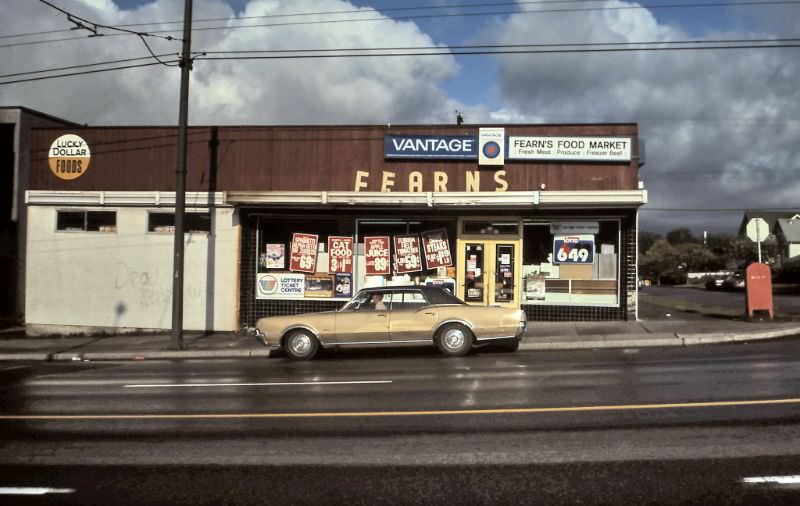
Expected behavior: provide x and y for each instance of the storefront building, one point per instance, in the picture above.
(284, 220)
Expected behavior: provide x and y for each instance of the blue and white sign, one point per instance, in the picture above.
(573, 249)
(430, 146)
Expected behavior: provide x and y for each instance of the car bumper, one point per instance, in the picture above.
(262, 338)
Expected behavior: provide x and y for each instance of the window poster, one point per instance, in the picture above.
(573, 249)
(303, 257)
(376, 253)
(343, 285)
(407, 254)
(275, 256)
(280, 285)
(319, 285)
(437, 249)
(340, 254)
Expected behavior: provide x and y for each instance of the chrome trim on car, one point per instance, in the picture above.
(348, 343)
(262, 338)
(493, 338)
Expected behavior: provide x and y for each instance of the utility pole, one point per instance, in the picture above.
(180, 181)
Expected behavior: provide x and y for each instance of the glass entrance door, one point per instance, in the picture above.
(488, 272)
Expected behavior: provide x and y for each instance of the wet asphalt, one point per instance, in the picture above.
(643, 426)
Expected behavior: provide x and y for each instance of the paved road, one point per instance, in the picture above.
(620, 426)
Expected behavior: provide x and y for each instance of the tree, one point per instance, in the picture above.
(698, 258)
(680, 236)
(662, 262)
(646, 240)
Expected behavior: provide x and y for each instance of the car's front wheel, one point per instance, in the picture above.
(454, 340)
(301, 345)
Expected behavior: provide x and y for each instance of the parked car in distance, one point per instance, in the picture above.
(735, 281)
(395, 316)
(732, 282)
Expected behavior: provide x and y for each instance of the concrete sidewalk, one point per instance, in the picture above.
(540, 336)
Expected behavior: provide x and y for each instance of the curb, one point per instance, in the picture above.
(727, 337)
(613, 343)
(679, 339)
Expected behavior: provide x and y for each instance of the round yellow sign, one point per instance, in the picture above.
(69, 157)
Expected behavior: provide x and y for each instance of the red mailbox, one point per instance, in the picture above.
(759, 289)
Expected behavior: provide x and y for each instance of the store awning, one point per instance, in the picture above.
(516, 199)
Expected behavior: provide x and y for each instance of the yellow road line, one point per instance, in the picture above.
(352, 414)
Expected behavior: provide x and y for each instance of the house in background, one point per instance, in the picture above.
(787, 231)
(783, 225)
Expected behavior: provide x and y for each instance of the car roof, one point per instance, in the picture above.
(402, 288)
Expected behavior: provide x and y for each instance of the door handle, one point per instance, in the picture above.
(381, 315)
(429, 313)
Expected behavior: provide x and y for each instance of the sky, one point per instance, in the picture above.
(721, 127)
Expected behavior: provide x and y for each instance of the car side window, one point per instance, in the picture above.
(408, 300)
(391, 300)
(414, 300)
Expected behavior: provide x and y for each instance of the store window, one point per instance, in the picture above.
(419, 252)
(304, 258)
(571, 262)
(165, 222)
(333, 258)
(86, 221)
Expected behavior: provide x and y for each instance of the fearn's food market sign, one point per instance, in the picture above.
(466, 147)
(588, 149)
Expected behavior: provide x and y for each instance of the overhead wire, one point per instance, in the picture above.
(411, 17)
(85, 72)
(81, 23)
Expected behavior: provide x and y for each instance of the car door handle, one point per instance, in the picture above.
(429, 313)
(381, 315)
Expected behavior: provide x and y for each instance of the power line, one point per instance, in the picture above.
(320, 13)
(447, 52)
(412, 17)
(491, 46)
(84, 24)
(72, 67)
(323, 53)
(495, 13)
(85, 72)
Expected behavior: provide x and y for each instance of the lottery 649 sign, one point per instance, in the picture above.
(573, 249)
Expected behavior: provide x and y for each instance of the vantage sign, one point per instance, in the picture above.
(431, 147)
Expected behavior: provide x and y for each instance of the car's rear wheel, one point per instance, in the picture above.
(301, 345)
(454, 340)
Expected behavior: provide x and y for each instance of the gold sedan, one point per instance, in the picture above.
(400, 315)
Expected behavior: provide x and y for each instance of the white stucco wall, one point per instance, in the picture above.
(794, 249)
(123, 279)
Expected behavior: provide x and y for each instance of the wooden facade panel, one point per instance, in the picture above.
(314, 158)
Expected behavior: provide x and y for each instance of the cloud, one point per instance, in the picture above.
(721, 126)
(342, 90)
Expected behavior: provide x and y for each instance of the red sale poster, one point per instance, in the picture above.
(376, 252)
(340, 254)
(437, 249)
(303, 257)
(406, 254)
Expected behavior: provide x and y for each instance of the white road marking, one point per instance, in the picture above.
(273, 384)
(779, 480)
(34, 490)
